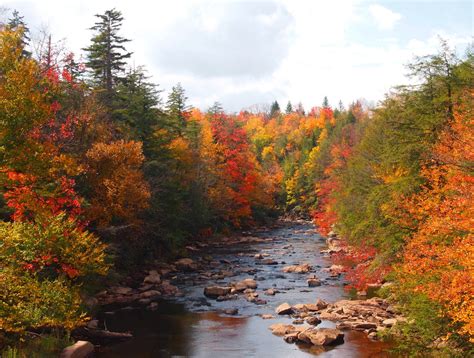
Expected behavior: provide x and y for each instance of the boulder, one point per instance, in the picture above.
(267, 316)
(152, 294)
(389, 322)
(152, 278)
(291, 337)
(216, 291)
(314, 321)
(281, 329)
(303, 268)
(284, 308)
(186, 265)
(120, 290)
(80, 349)
(320, 304)
(361, 326)
(321, 336)
(168, 289)
(248, 283)
(313, 282)
(270, 292)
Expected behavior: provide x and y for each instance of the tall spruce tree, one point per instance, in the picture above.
(16, 23)
(107, 55)
(325, 102)
(289, 108)
(177, 109)
(275, 109)
(136, 105)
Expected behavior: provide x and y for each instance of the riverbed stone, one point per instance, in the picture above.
(186, 264)
(280, 329)
(313, 282)
(313, 320)
(270, 292)
(80, 349)
(322, 336)
(151, 294)
(284, 308)
(216, 291)
(303, 268)
(153, 278)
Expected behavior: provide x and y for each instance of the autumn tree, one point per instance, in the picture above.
(119, 192)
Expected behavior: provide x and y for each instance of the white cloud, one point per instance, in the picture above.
(383, 17)
(247, 52)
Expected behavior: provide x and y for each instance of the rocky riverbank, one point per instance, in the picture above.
(276, 275)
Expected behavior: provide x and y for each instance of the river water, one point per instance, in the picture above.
(191, 325)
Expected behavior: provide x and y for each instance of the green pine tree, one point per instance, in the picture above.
(289, 108)
(136, 105)
(16, 23)
(107, 55)
(177, 109)
(275, 109)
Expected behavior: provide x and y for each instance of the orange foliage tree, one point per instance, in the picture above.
(439, 257)
(119, 191)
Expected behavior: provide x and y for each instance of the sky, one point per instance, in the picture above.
(246, 53)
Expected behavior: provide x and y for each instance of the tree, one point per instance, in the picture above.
(275, 109)
(177, 109)
(216, 108)
(289, 108)
(119, 191)
(325, 102)
(106, 56)
(136, 105)
(16, 23)
(300, 109)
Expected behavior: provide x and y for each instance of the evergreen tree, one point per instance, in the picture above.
(300, 109)
(289, 108)
(275, 109)
(341, 106)
(325, 102)
(106, 56)
(16, 23)
(136, 104)
(177, 109)
(216, 108)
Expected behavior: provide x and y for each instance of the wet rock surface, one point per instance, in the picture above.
(241, 279)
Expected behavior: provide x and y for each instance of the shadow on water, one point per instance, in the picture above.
(191, 327)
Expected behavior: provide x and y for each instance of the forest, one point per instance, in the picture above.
(99, 174)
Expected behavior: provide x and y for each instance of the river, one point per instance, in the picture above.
(192, 325)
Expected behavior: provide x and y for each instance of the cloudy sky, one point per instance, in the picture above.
(242, 53)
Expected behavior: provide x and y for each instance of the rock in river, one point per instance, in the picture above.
(284, 308)
(216, 291)
(322, 336)
(304, 268)
(153, 278)
(80, 349)
(186, 265)
(245, 284)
